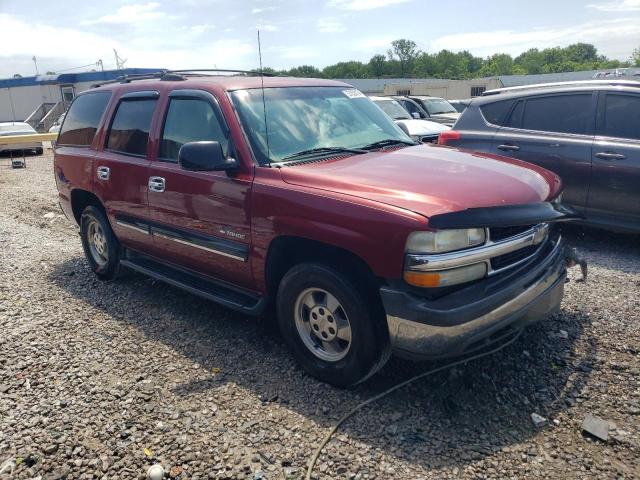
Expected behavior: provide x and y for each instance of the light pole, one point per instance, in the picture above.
(36, 64)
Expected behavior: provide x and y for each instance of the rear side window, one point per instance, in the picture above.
(82, 120)
(189, 120)
(621, 116)
(129, 131)
(558, 113)
(496, 112)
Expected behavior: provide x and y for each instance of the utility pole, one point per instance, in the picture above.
(36, 64)
(119, 60)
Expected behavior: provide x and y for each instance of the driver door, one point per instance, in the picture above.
(200, 219)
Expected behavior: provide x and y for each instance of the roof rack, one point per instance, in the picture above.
(624, 83)
(179, 75)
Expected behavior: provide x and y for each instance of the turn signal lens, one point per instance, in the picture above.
(446, 278)
(447, 137)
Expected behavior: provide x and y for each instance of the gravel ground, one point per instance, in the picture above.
(102, 380)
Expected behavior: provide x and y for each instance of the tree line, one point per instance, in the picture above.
(404, 59)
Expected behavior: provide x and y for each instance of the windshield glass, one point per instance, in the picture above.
(305, 118)
(393, 109)
(436, 106)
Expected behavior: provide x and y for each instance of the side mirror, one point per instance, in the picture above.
(204, 157)
(416, 115)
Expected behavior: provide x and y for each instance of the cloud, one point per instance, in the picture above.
(620, 6)
(267, 27)
(374, 43)
(79, 47)
(199, 29)
(363, 4)
(328, 25)
(127, 14)
(263, 9)
(611, 37)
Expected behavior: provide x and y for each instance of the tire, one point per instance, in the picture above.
(39, 151)
(320, 343)
(101, 247)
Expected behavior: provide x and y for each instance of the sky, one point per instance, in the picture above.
(66, 34)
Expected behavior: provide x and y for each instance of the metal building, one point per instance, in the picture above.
(40, 100)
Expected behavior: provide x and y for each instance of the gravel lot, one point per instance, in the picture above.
(102, 380)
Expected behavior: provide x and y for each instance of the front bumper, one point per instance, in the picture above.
(473, 317)
(14, 147)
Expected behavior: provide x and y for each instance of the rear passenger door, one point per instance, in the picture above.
(615, 184)
(121, 168)
(555, 132)
(200, 219)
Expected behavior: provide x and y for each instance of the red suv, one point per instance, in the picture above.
(302, 196)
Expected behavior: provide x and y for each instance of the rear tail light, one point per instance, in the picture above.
(448, 136)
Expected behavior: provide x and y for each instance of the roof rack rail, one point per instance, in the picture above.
(196, 71)
(619, 82)
(179, 75)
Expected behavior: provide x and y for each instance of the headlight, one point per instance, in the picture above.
(445, 240)
(445, 278)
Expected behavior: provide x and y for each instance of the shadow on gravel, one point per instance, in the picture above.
(449, 419)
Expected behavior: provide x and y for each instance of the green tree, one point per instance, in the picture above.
(531, 61)
(350, 69)
(635, 57)
(497, 64)
(377, 65)
(581, 53)
(406, 52)
(304, 71)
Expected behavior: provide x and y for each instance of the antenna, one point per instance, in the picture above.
(264, 103)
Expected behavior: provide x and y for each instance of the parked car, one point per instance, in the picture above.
(411, 106)
(438, 109)
(587, 132)
(304, 197)
(421, 131)
(8, 129)
(460, 105)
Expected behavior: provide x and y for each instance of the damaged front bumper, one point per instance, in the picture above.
(471, 318)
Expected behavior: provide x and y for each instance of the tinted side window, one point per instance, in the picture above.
(496, 112)
(130, 126)
(82, 119)
(621, 116)
(189, 120)
(515, 119)
(558, 113)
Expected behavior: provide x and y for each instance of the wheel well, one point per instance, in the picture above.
(81, 199)
(286, 252)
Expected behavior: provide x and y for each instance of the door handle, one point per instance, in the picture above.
(507, 147)
(103, 173)
(156, 184)
(610, 156)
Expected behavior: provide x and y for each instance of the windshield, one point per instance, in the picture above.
(436, 106)
(306, 118)
(393, 109)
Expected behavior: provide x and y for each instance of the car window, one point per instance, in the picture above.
(558, 113)
(410, 106)
(129, 131)
(621, 116)
(189, 120)
(515, 119)
(81, 121)
(496, 112)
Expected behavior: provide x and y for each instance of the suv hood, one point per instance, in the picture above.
(417, 127)
(449, 118)
(429, 179)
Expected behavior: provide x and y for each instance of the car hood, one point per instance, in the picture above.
(423, 127)
(429, 179)
(449, 117)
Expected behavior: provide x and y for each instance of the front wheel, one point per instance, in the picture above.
(101, 248)
(332, 330)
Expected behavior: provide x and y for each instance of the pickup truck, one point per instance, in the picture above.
(302, 198)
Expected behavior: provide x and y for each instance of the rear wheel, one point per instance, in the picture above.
(39, 151)
(101, 248)
(330, 326)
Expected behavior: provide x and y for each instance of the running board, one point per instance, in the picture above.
(219, 292)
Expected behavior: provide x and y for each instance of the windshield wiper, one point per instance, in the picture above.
(386, 143)
(312, 151)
